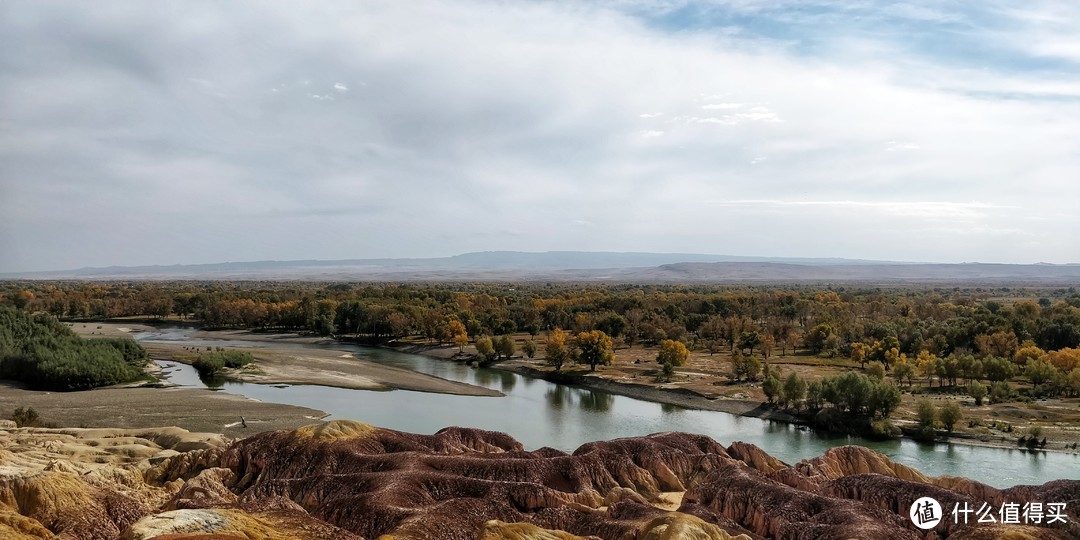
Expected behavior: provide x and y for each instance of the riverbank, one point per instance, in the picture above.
(658, 394)
(292, 365)
(193, 409)
(688, 396)
(702, 385)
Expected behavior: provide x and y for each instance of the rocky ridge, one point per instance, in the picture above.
(344, 479)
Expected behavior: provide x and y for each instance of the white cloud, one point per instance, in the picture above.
(474, 115)
(722, 106)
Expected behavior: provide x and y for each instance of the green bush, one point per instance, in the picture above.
(43, 353)
(884, 429)
(213, 362)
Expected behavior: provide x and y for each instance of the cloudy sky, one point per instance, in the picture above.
(188, 132)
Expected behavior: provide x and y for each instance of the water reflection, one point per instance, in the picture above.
(507, 381)
(668, 408)
(213, 382)
(596, 401)
(557, 396)
(484, 377)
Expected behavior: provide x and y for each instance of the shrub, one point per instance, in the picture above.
(529, 348)
(44, 354)
(1000, 392)
(977, 390)
(27, 417)
(213, 362)
(884, 429)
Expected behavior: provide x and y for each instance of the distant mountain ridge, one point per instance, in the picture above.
(620, 267)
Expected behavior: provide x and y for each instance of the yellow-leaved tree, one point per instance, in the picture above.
(594, 348)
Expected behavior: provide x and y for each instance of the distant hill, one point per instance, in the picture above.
(881, 273)
(590, 266)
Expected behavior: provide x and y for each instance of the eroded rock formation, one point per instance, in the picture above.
(345, 479)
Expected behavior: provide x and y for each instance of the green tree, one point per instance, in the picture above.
(904, 371)
(998, 369)
(1072, 382)
(885, 398)
(504, 346)
(950, 414)
(738, 365)
(813, 395)
(529, 348)
(1040, 371)
(773, 388)
(594, 348)
(978, 391)
(750, 340)
(927, 415)
(876, 370)
(817, 336)
(794, 390)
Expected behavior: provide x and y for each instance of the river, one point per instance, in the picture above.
(541, 413)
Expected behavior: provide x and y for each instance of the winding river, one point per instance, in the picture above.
(540, 413)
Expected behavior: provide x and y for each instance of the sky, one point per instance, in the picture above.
(170, 132)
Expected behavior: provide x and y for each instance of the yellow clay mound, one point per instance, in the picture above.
(679, 526)
(336, 429)
(210, 521)
(497, 530)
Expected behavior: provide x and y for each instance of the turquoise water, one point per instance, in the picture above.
(540, 413)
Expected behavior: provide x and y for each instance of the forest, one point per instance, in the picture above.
(947, 334)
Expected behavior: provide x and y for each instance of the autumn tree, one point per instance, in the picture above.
(556, 352)
(1003, 344)
(858, 353)
(485, 347)
(1064, 360)
(1027, 353)
(672, 352)
(927, 366)
(456, 330)
(594, 348)
(768, 344)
